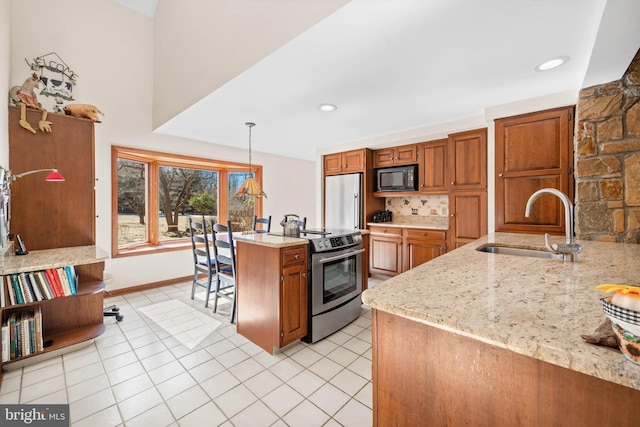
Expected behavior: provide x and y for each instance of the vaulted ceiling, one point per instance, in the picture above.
(394, 65)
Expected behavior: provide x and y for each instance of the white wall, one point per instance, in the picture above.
(110, 47)
(5, 38)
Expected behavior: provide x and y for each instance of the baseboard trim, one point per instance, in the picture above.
(147, 286)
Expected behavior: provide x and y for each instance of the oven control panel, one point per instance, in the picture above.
(329, 243)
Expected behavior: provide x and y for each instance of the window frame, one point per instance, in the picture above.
(154, 159)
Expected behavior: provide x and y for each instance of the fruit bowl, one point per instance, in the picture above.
(629, 344)
(628, 320)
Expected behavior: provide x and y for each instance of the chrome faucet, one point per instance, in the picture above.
(570, 249)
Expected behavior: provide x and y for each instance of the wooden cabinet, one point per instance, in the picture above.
(468, 218)
(533, 151)
(468, 187)
(433, 166)
(385, 250)
(468, 160)
(423, 375)
(394, 250)
(293, 295)
(346, 162)
(272, 293)
(396, 156)
(53, 214)
(421, 246)
(67, 322)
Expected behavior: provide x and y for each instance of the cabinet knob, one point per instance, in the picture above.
(453, 183)
(304, 274)
(500, 175)
(297, 256)
(452, 215)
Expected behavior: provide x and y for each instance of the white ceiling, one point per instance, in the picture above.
(394, 65)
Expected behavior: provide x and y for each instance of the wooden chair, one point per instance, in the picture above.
(225, 263)
(265, 224)
(203, 261)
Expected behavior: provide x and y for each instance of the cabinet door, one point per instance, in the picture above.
(468, 218)
(418, 252)
(406, 155)
(385, 254)
(52, 215)
(533, 151)
(383, 158)
(293, 304)
(353, 161)
(433, 177)
(332, 164)
(468, 160)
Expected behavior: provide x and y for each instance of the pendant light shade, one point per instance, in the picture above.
(250, 186)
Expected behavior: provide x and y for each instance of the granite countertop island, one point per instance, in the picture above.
(533, 307)
(271, 240)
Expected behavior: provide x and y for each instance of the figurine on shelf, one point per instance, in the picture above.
(84, 111)
(24, 96)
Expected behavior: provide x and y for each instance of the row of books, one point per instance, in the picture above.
(40, 285)
(22, 335)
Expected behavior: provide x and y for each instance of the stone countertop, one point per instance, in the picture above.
(264, 239)
(51, 258)
(535, 307)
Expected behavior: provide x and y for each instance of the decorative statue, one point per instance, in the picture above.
(24, 96)
(84, 111)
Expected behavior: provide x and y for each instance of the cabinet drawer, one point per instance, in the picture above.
(292, 256)
(386, 230)
(415, 233)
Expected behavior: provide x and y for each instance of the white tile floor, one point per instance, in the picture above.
(138, 374)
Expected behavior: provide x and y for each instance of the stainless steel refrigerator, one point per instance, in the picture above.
(344, 202)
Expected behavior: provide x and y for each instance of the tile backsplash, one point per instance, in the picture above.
(428, 206)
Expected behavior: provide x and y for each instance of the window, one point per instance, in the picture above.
(155, 193)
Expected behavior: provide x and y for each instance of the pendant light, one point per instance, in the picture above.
(250, 186)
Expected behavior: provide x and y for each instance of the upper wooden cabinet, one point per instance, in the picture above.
(533, 151)
(433, 166)
(468, 160)
(52, 215)
(396, 156)
(346, 162)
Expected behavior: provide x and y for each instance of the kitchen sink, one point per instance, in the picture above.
(517, 251)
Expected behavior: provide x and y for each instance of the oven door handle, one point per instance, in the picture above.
(334, 258)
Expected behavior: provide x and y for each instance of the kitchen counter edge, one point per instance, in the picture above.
(535, 307)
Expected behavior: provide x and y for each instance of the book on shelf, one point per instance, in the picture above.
(26, 288)
(51, 275)
(71, 276)
(64, 282)
(46, 287)
(34, 285)
(22, 335)
(17, 289)
(3, 301)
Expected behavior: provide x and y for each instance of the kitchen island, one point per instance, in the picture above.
(474, 338)
(272, 288)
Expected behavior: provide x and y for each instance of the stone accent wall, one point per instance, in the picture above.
(607, 152)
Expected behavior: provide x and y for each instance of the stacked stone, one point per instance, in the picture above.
(608, 159)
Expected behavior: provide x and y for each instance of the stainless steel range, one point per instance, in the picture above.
(335, 280)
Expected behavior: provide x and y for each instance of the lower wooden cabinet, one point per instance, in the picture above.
(394, 250)
(422, 246)
(272, 294)
(385, 250)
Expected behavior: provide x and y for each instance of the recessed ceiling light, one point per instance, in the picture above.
(327, 107)
(552, 63)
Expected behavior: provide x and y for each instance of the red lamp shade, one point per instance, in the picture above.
(54, 176)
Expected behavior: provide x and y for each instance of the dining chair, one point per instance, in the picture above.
(262, 225)
(203, 261)
(225, 264)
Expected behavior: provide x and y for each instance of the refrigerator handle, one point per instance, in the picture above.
(355, 211)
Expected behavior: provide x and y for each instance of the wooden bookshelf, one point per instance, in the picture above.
(66, 321)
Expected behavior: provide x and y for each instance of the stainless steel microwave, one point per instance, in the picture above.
(397, 178)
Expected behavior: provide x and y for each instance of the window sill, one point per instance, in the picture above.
(178, 245)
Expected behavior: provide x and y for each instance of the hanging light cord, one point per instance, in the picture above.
(250, 126)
